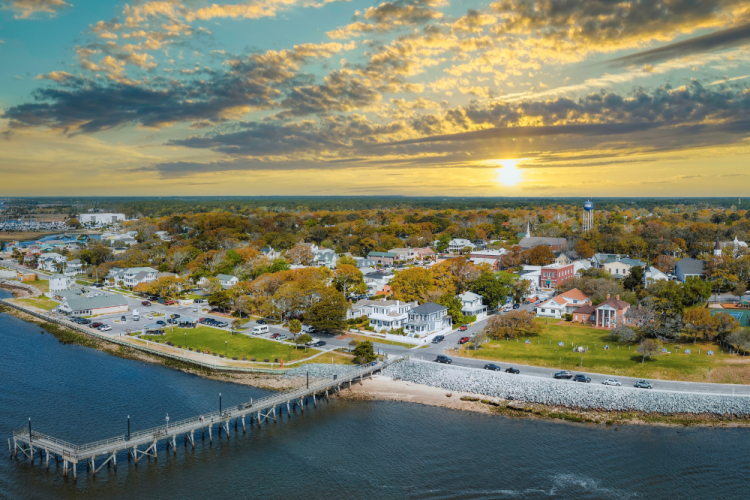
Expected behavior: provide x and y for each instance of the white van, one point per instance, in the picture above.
(260, 329)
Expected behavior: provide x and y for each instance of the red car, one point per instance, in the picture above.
(146, 303)
(275, 335)
(463, 328)
(96, 325)
(169, 303)
(463, 340)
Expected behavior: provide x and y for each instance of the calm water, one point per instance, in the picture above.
(343, 450)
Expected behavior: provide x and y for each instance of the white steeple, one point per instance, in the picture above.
(528, 229)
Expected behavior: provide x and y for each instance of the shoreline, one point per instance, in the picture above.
(383, 388)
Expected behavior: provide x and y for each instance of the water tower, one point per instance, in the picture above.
(588, 216)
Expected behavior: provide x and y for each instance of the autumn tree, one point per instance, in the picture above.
(511, 325)
(167, 287)
(541, 256)
(329, 313)
(300, 254)
(649, 347)
(349, 280)
(348, 261)
(584, 250)
(412, 284)
(725, 324)
(699, 323)
(295, 326)
(364, 352)
(492, 288)
(519, 290)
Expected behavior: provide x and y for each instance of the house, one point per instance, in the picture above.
(26, 276)
(472, 305)
(599, 259)
(59, 282)
(493, 263)
(94, 306)
(554, 275)
(689, 267)
(382, 258)
(67, 294)
(611, 312)
(621, 266)
(480, 244)
(72, 267)
(424, 253)
(132, 276)
(584, 314)
(404, 254)
(163, 235)
(383, 314)
(575, 299)
(48, 261)
(363, 262)
(457, 245)
(326, 257)
(532, 274)
(227, 280)
(652, 274)
(269, 252)
(378, 282)
(555, 244)
(426, 319)
(562, 259)
(733, 248)
(488, 254)
(565, 303)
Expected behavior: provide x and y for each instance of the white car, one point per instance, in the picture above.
(105, 328)
(611, 381)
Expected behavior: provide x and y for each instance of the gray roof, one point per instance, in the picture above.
(87, 303)
(68, 294)
(428, 308)
(533, 241)
(225, 277)
(691, 266)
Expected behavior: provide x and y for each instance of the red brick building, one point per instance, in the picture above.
(556, 274)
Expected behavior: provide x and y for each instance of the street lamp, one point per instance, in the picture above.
(128, 428)
(219, 403)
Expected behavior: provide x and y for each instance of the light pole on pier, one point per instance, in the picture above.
(128, 427)
(166, 427)
(219, 403)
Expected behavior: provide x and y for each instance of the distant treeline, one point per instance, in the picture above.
(161, 206)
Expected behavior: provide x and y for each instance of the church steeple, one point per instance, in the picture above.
(717, 249)
(528, 229)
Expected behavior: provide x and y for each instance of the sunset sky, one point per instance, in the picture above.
(413, 97)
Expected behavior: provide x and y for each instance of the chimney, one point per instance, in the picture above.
(617, 296)
(607, 296)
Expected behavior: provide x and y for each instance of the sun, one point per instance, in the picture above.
(509, 174)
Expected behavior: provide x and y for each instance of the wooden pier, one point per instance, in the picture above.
(144, 443)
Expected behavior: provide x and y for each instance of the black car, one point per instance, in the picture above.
(516, 306)
(160, 322)
(564, 374)
(85, 321)
(581, 378)
(512, 370)
(261, 322)
(492, 367)
(438, 339)
(443, 359)
(319, 343)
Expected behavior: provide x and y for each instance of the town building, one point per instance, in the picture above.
(565, 303)
(72, 267)
(101, 219)
(689, 267)
(427, 319)
(58, 283)
(528, 242)
(457, 245)
(621, 266)
(382, 314)
(269, 252)
(132, 276)
(382, 258)
(378, 282)
(404, 254)
(555, 275)
(326, 257)
(93, 306)
(227, 280)
(472, 305)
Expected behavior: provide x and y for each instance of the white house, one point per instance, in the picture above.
(48, 261)
(383, 314)
(100, 219)
(377, 281)
(472, 305)
(652, 274)
(565, 303)
(132, 276)
(326, 257)
(59, 282)
(227, 280)
(72, 267)
(458, 244)
(270, 252)
(426, 319)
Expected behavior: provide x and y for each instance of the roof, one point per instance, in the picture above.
(575, 294)
(614, 303)
(225, 277)
(86, 303)
(691, 266)
(382, 254)
(57, 276)
(533, 241)
(376, 276)
(556, 301)
(428, 308)
(586, 309)
(470, 297)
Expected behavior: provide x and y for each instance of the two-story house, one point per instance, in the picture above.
(72, 267)
(378, 282)
(565, 303)
(49, 261)
(457, 245)
(472, 305)
(426, 319)
(554, 275)
(132, 276)
(227, 280)
(58, 283)
(383, 314)
(382, 258)
(621, 266)
(326, 257)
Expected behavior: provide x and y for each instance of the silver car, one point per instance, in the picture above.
(611, 381)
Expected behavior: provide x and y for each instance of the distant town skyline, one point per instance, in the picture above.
(581, 98)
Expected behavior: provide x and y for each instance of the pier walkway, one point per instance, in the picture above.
(144, 443)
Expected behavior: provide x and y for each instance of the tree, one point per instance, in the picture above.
(649, 347)
(300, 254)
(221, 299)
(364, 353)
(455, 275)
(211, 285)
(454, 306)
(622, 333)
(699, 322)
(739, 290)
(329, 313)
(349, 280)
(243, 304)
(541, 256)
(75, 223)
(695, 290)
(583, 249)
(724, 324)
(634, 279)
(739, 338)
(512, 324)
(167, 287)
(519, 290)
(412, 284)
(346, 260)
(303, 339)
(492, 289)
(295, 326)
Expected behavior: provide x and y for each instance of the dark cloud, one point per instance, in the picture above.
(340, 92)
(390, 15)
(717, 40)
(610, 22)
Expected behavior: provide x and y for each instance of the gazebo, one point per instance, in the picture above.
(153, 329)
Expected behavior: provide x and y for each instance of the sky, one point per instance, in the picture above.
(410, 97)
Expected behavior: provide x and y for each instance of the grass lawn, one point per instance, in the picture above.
(42, 285)
(204, 338)
(380, 341)
(335, 358)
(506, 273)
(621, 359)
(41, 302)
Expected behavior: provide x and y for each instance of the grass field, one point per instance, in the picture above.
(42, 285)
(25, 236)
(204, 338)
(621, 359)
(379, 341)
(41, 302)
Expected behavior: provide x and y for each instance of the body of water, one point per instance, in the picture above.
(341, 450)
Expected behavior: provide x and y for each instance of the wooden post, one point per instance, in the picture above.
(315, 401)
(114, 460)
(174, 443)
(243, 423)
(93, 466)
(47, 452)
(288, 411)
(75, 470)
(210, 438)
(192, 438)
(65, 468)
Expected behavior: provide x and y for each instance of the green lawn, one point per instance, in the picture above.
(41, 302)
(204, 338)
(621, 359)
(380, 341)
(42, 285)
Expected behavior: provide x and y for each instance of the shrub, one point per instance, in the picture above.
(568, 317)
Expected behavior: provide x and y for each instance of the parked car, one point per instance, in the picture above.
(261, 322)
(195, 309)
(160, 322)
(438, 339)
(493, 367)
(443, 359)
(169, 303)
(319, 343)
(582, 378)
(463, 328)
(275, 335)
(611, 381)
(96, 324)
(175, 316)
(105, 328)
(463, 340)
(512, 370)
(146, 303)
(281, 336)
(516, 306)
(85, 321)
(123, 319)
(563, 374)
(642, 384)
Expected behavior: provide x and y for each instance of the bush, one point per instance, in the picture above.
(568, 317)
(369, 328)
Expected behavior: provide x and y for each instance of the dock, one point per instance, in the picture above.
(144, 443)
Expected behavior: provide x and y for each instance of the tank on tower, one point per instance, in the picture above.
(588, 216)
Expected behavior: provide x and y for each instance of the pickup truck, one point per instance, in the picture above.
(463, 340)
(463, 328)
(564, 374)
